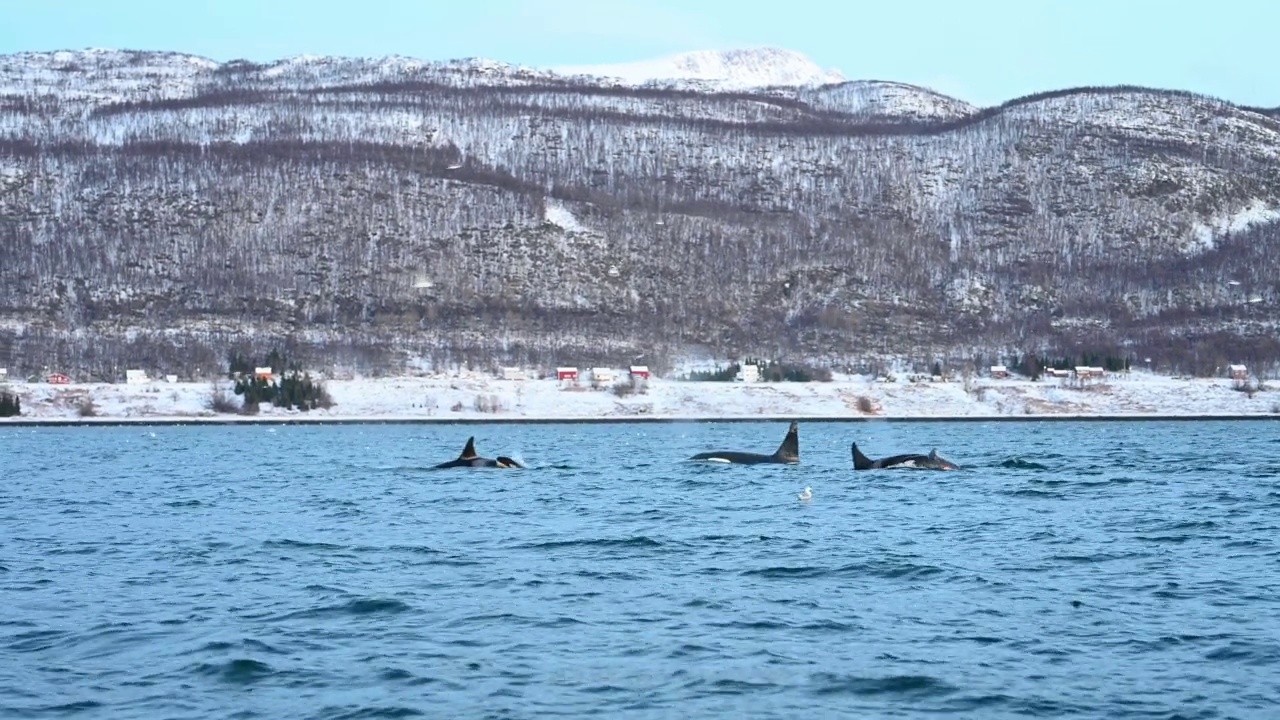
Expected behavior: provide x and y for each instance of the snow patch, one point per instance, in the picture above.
(557, 214)
(728, 70)
(1208, 233)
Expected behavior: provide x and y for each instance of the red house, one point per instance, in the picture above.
(567, 373)
(59, 379)
(640, 371)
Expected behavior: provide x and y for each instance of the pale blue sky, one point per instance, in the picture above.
(984, 51)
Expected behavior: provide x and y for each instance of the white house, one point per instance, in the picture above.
(135, 377)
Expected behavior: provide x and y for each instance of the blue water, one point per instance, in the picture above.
(1108, 570)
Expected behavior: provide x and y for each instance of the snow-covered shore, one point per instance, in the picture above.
(478, 397)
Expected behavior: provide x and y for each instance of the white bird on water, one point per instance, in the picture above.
(807, 494)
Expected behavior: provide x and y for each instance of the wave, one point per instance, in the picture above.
(631, 542)
(829, 626)
(36, 640)
(1034, 493)
(1020, 464)
(687, 649)
(753, 625)
(612, 575)
(1191, 525)
(1246, 653)
(890, 569)
(907, 686)
(302, 545)
(737, 687)
(362, 712)
(241, 671)
(71, 708)
(798, 572)
(220, 646)
(1097, 557)
(78, 549)
(1121, 480)
(486, 618)
(356, 607)
(887, 569)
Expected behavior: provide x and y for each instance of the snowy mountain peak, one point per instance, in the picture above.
(726, 69)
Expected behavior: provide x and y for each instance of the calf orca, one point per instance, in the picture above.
(932, 461)
(469, 458)
(788, 452)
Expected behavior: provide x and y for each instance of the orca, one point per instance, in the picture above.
(788, 452)
(932, 461)
(469, 458)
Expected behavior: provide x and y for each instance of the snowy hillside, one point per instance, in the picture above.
(162, 207)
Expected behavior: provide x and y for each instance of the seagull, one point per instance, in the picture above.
(807, 494)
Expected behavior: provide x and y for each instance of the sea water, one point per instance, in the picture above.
(1069, 569)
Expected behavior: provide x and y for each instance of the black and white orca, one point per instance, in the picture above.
(788, 452)
(932, 461)
(469, 458)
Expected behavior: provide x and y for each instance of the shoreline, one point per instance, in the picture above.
(303, 419)
(477, 398)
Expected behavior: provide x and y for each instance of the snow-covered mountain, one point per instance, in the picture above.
(733, 70)
(165, 206)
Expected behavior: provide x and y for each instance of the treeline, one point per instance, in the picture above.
(769, 371)
(378, 355)
(1033, 366)
(288, 386)
(294, 390)
(243, 91)
(241, 364)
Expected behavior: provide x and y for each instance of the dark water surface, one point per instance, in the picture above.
(1109, 570)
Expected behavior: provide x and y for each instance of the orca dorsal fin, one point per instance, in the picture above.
(933, 454)
(469, 451)
(860, 461)
(790, 448)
